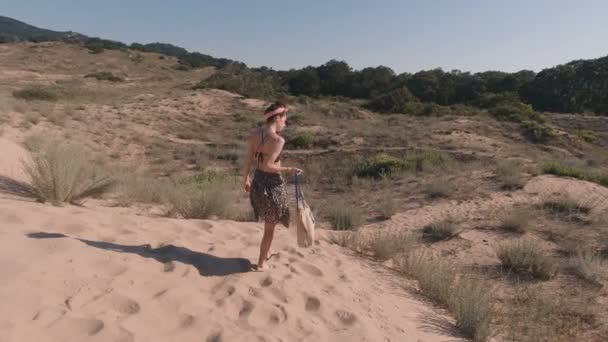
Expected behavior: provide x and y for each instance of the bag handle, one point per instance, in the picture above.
(298, 188)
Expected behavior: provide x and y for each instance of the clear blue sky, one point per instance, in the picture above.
(408, 36)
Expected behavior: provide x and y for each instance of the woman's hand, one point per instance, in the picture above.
(247, 185)
(296, 170)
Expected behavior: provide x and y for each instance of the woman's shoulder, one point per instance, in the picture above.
(276, 138)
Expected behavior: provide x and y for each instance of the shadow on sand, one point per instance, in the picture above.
(206, 264)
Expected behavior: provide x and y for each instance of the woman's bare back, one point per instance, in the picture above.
(263, 144)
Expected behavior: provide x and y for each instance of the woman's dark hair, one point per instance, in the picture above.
(273, 107)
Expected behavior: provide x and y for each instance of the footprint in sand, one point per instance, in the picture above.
(169, 266)
(312, 304)
(124, 336)
(208, 227)
(278, 318)
(222, 292)
(79, 327)
(310, 269)
(279, 294)
(124, 305)
(160, 293)
(186, 321)
(255, 293)
(246, 309)
(292, 259)
(266, 282)
(215, 337)
(347, 318)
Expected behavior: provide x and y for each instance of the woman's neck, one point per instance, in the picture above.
(272, 128)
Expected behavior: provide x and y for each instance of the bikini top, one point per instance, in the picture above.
(260, 155)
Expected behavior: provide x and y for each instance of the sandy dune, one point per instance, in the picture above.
(97, 274)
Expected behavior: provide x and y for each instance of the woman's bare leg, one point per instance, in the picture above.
(266, 242)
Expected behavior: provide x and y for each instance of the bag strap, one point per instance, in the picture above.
(298, 188)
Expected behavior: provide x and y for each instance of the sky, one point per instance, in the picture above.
(407, 36)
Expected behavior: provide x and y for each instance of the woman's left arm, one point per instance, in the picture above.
(247, 168)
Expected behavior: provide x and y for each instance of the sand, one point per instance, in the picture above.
(96, 273)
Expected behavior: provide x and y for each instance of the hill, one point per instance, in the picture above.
(15, 30)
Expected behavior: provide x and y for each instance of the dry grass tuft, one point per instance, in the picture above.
(510, 176)
(386, 245)
(527, 257)
(589, 267)
(61, 173)
(388, 208)
(535, 315)
(517, 221)
(343, 216)
(439, 188)
(440, 230)
(466, 297)
(198, 202)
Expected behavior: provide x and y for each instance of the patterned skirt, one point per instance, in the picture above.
(269, 198)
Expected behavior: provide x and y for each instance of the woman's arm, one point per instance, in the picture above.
(247, 167)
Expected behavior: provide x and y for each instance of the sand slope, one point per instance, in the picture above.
(105, 274)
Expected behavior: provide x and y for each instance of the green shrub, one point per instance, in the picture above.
(394, 101)
(527, 257)
(427, 160)
(493, 100)
(305, 140)
(565, 205)
(564, 170)
(537, 132)
(514, 112)
(105, 76)
(380, 166)
(6, 38)
(36, 94)
(587, 135)
(254, 84)
(213, 177)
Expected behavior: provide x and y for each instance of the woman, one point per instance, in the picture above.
(267, 190)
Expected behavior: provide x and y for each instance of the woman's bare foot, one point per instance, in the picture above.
(262, 267)
(274, 255)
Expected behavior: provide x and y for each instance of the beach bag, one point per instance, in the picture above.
(305, 220)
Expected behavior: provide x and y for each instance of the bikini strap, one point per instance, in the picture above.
(257, 152)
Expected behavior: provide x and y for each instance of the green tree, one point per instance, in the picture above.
(304, 82)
